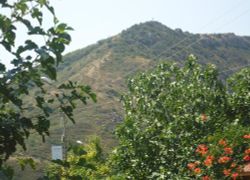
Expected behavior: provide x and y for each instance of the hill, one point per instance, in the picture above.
(106, 66)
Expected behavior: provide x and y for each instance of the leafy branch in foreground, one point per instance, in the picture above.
(22, 89)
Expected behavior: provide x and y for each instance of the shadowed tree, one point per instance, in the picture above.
(38, 56)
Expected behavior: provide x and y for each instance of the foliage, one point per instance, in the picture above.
(224, 156)
(23, 162)
(232, 145)
(6, 172)
(172, 110)
(36, 58)
(83, 162)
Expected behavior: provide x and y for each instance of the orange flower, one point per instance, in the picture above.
(246, 158)
(227, 172)
(247, 151)
(203, 117)
(202, 149)
(224, 159)
(191, 166)
(235, 175)
(228, 150)
(197, 170)
(208, 161)
(222, 142)
(206, 178)
(247, 136)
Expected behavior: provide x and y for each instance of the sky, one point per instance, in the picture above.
(94, 20)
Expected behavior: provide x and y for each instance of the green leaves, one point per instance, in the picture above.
(84, 161)
(29, 45)
(21, 6)
(171, 109)
(61, 162)
(60, 28)
(8, 30)
(2, 68)
(51, 72)
(6, 172)
(22, 86)
(36, 30)
(78, 150)
(23, 162)
(37, 14)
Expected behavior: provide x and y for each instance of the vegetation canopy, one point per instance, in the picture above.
(177, 115)
(34, 60)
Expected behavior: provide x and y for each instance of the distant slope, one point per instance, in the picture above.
(105, 66)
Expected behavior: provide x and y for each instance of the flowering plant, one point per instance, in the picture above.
(223, 156)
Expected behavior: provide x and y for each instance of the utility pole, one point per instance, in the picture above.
(63, 122)
(63, 136)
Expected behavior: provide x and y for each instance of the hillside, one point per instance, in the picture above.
(106, 66)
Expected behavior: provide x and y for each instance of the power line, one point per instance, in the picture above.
(235, 68)
(204, 26)
(195, 42)
(229, 22)
(207, 24)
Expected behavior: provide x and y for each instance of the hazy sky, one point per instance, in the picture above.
(97, 19)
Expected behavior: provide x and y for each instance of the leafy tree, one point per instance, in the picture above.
(172, 110)
(38, 57)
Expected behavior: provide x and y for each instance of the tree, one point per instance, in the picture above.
(23, 85)
(172, 110)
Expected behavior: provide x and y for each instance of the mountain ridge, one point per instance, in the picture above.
(149, 39)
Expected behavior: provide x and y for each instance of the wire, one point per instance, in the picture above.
(195, 42)
(235, 68)
(204, 26)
